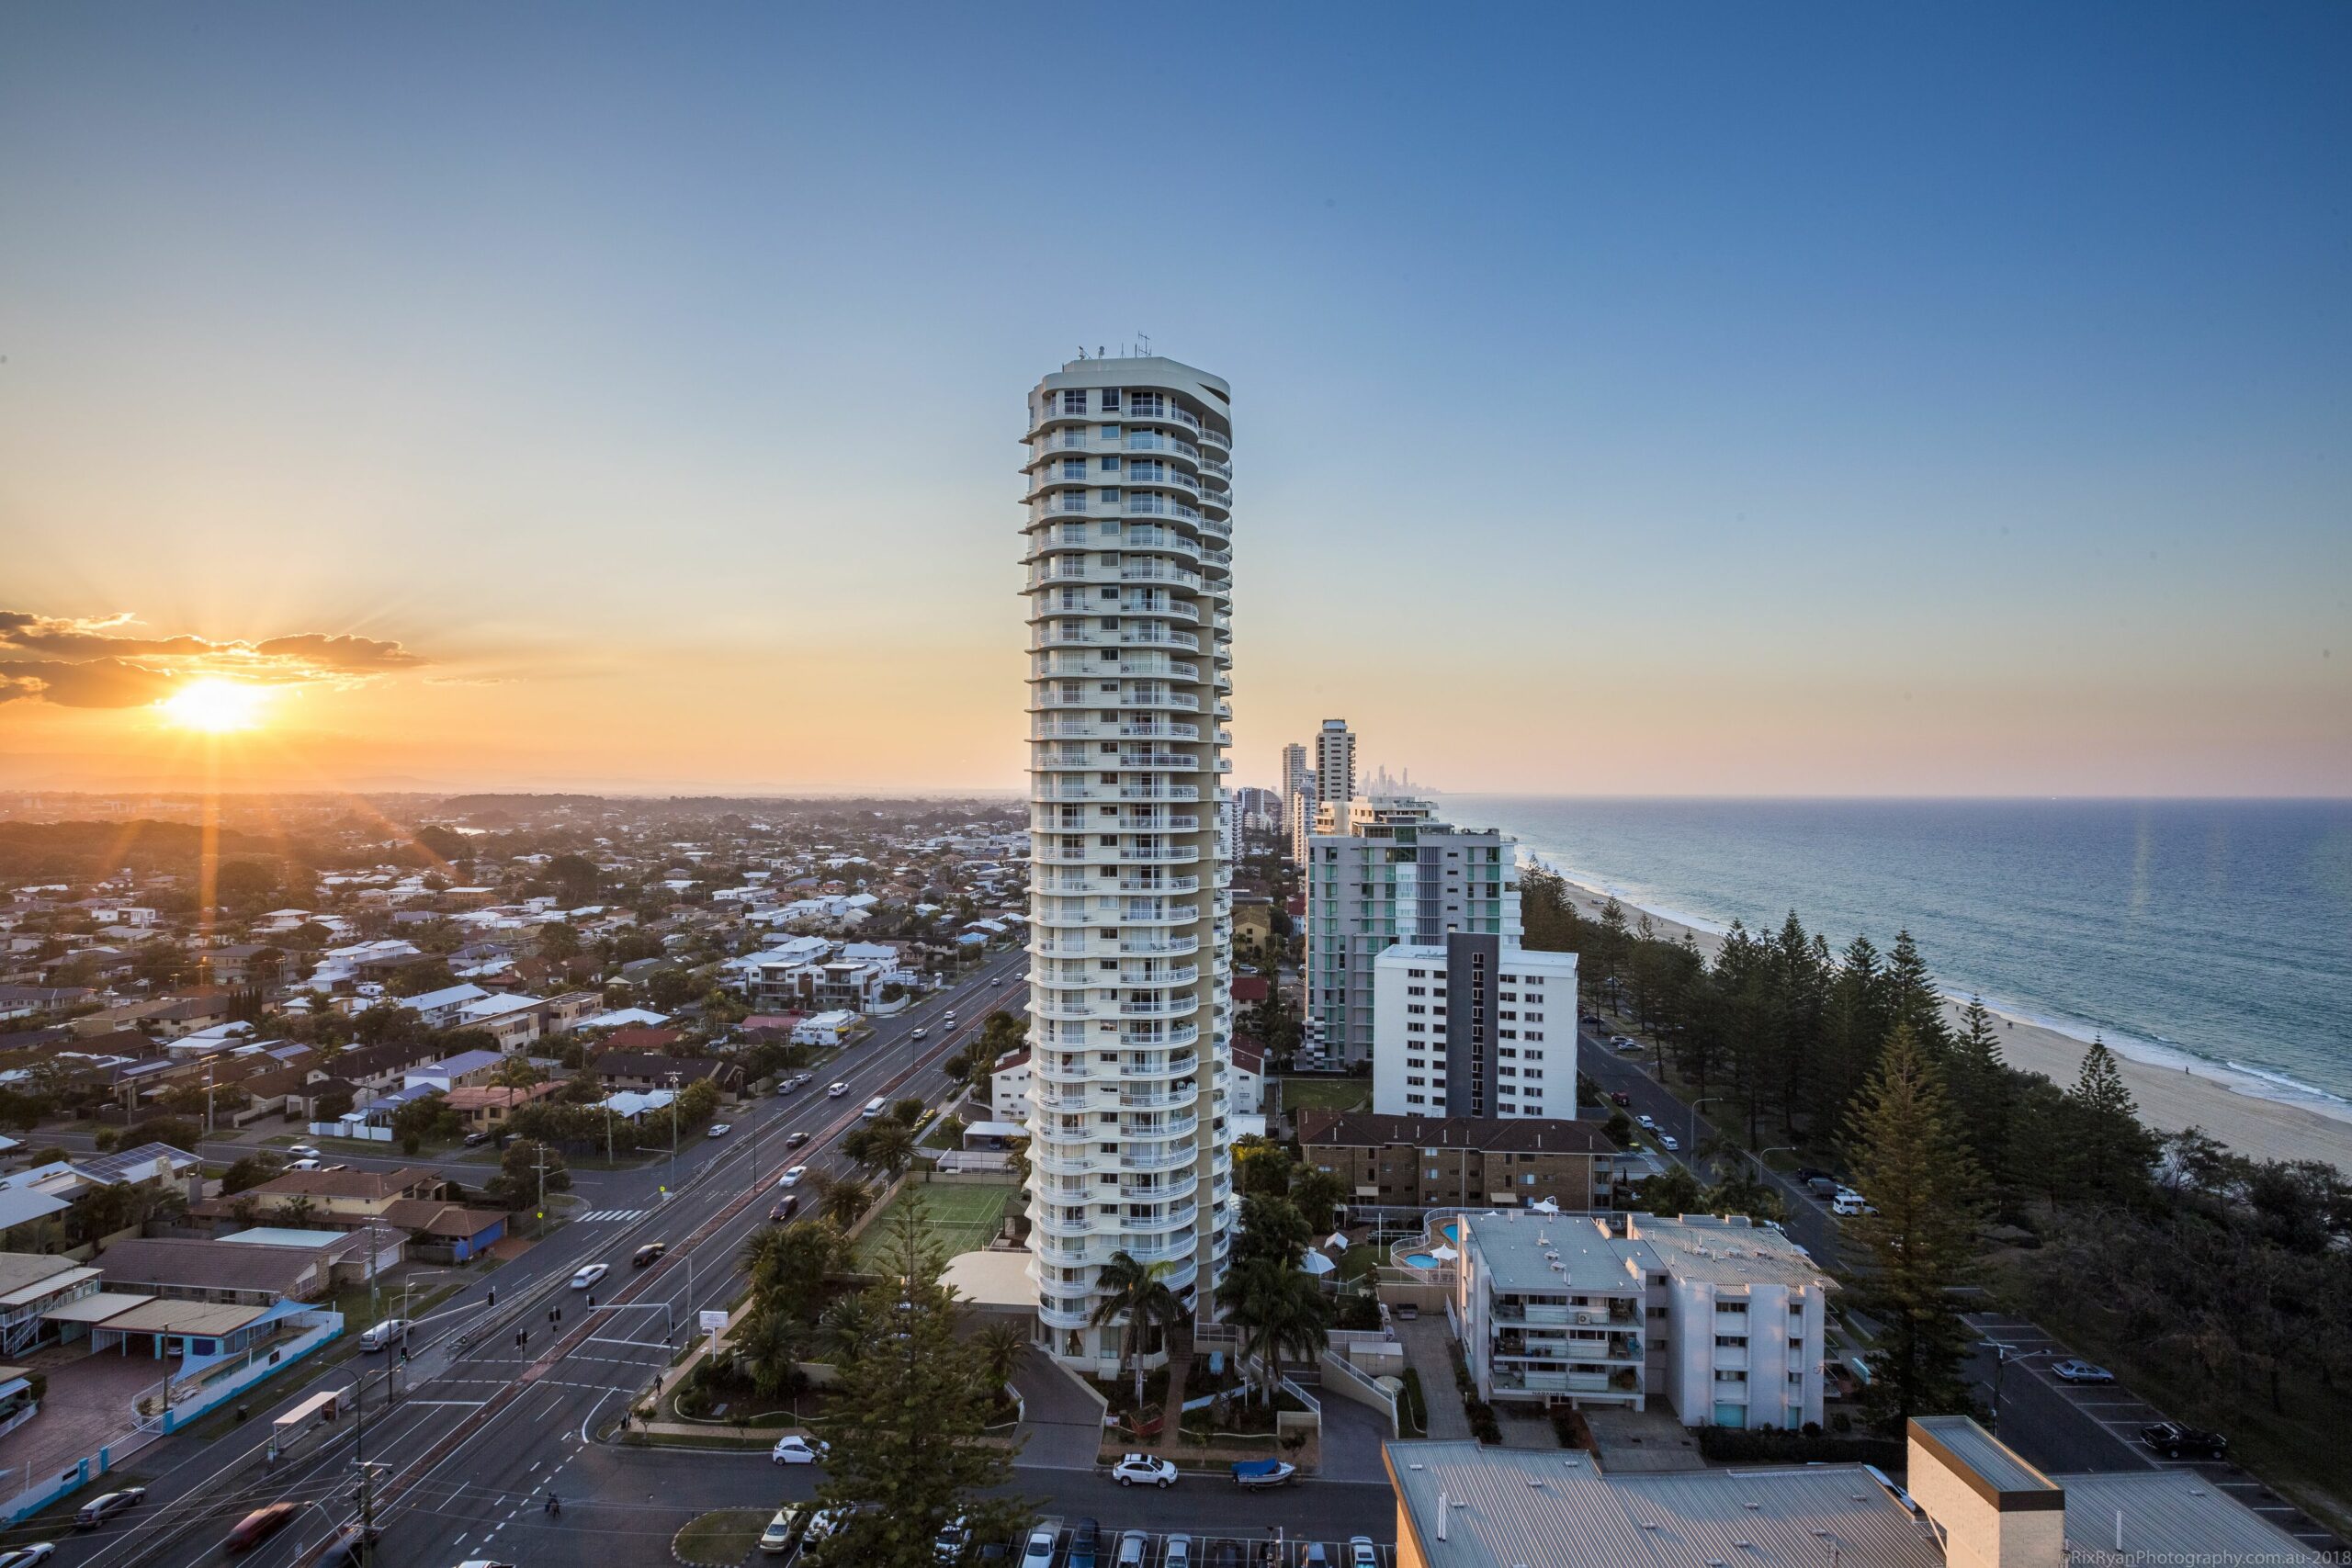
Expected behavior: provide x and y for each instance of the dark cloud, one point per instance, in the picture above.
(322, 652)
(86, 662)
(92, 683)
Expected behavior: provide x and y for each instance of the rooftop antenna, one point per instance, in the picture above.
(1145, 339)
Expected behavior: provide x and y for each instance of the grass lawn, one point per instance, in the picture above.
(1325, 1094)
(962, 1216)
(721, 1539)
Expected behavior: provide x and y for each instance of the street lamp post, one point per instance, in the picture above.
(2003, 1354)
(1763, 1171)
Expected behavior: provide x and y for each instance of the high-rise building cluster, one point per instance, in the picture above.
(1127, 538)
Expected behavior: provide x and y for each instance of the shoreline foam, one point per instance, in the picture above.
(2241, 1107)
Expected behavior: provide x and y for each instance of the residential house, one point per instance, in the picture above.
(485, 1107)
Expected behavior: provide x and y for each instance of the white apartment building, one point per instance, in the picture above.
(1723, 1318)
(1381, 872)
(1127, 536)
(1474, 1026)
(1298, 794)
(1330, 780)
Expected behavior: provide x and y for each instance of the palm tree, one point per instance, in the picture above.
(888, 1145)
(1279, 1311)
(999, 1345)
(1139, 1292)
(847, 1201)
(768, 1347)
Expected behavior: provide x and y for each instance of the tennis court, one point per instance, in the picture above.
(960, 1217)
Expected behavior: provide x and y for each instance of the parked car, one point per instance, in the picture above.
(647, 1255)
(2071, 1370)
(1312, 1555)
(1039, 1552)
(26, 1556)
(308, 1165)
(1619, 1097)
(259, 1526)
(1085, 1539)
(1146, 1469)
(719, 1129)
(953, 1538)
(794, 1140)
(790, 1084)
(1176, 1551)
(792, 1178)
(785, 1208)
(800, 1450)
(476, 1138)
(1362, 1552)
(783, 1529)
(1668, 1141)
(1647, 1122)
(1821, 1186)
(1135, 1548)
(99, 1509)
(590, 1275)
(835, 1091)
(1848, 1205)
(391, 1331)
(2174, 1440)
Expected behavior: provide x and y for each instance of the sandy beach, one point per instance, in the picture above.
(2169, 1098)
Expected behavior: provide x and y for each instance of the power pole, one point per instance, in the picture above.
(208, 1098)
(673, 1127)
(543, 1188)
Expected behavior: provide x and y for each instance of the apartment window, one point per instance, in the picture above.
(1416, 1099)
(1531, 1035)
(1506, 1034)
(1074, 401)
(1416, 1028)
(1110, 465)
(1110, 433)
(1416, 991)
(1110, 399)
(1416, 1083)
(1532, 1073)
(1417, 974)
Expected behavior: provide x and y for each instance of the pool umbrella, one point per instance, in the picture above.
(1445, 1255)
(1315, 1263)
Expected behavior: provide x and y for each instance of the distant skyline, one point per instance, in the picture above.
(1841, 401)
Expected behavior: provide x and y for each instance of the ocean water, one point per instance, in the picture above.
(2212, 934)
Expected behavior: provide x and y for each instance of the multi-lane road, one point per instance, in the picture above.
(479, 1428)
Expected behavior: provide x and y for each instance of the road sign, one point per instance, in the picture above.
(712, 1322)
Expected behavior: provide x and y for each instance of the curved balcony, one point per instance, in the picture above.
(1161, 1099)
(1171, 886)
(1217, 500)
(1183, 975)
(1173, 915)
(1150, 729)
(1168, 1127)
(1175, 1215)
(1181, 1006)
(1046, 1004)
(1154, 441)
(1043, 1157)
(1149, 1038)
(1173, 945)
(1210, 437)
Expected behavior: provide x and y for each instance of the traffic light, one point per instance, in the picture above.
(521, 1338)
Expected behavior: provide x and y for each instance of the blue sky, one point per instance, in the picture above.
(1842, 399)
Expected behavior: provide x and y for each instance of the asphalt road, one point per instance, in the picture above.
(481, 1427)
(1809, 1224)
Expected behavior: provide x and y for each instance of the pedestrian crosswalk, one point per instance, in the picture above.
(595, 1215)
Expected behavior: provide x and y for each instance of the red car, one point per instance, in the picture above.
(259, 1526)
(1621, 1098)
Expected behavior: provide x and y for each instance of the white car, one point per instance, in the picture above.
(792, 1178)
(799, 1450)
(308, 1165)
(590, 1275)
(1647, 1124)
(835, 1091)
(26, 1556)
(1668, 1141)
(919, 1034)
(302, 1151)
(1848, 1205)
(1134, 1468)
(1039, 1553)
(1361, 1553)
(719, 1129)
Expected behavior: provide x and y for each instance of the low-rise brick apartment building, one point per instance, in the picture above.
(1429, 1162)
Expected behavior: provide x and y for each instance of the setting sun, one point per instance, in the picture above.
(215, 706)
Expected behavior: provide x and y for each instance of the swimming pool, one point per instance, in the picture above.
(1419, 1260)
(1451, 1230)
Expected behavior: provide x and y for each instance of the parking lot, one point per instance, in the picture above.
(2062, 1426)
(1262, 1551)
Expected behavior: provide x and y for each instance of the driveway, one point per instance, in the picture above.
(1352, 1437)
(1061, 1421)
(1428, 1350)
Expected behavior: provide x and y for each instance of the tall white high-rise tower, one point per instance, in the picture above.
(1128, 538)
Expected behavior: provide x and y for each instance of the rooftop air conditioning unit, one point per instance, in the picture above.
(1584, 1317)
